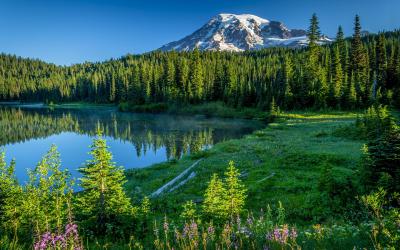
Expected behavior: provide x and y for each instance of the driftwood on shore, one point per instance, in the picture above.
(173, 181)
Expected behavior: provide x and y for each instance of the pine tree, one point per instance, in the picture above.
(196, 77)
(287, 81)
(313, 31)
(337, 79)
(274, 109)
(381, 64)
(218, 82)
(316, 85)
(171, 91)
(189, 211)
(112, 89)
(381, 166)
(235, 190)
(352, 95)
(183, 79)
(103, 198)
(359, 63)
(342, 46)
(214, 205)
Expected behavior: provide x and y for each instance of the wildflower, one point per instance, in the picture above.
(238, 221)
(193, 232)
(211, 229)
(186, 230)
(246, 231)
(178, 235)
(293, 234)
(165, 225)
(250, 220)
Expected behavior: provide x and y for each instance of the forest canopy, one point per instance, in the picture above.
(348, 73)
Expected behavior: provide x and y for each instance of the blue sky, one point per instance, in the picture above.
(74, 31)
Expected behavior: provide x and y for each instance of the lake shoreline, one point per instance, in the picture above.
(136, 140)
(264, 159)
(208, 110)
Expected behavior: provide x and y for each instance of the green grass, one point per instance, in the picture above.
(290, 152)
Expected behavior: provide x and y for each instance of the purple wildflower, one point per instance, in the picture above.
(211, 229)
(193, 230)
(249, 220)
(186, 230)
(293, 234)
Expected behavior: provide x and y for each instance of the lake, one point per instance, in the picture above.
(136, 140)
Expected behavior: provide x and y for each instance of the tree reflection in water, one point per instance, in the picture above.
(179, 135)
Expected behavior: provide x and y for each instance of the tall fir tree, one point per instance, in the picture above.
(235, 191)
(381, 66)
(102, 199)
(196, 77)
(314, 78)
(359, 63)
(314, 32)
(288, 73)
(342, 46)
(337, 79)
(214, 205)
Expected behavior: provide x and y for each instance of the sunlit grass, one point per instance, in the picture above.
(292, 151)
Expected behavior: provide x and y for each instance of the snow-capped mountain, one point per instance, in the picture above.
(229, 32)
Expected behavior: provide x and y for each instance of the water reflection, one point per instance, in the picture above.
(154, 138)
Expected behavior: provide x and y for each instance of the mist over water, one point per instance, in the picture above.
(136, 140)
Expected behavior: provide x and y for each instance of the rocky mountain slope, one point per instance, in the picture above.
(229, 32)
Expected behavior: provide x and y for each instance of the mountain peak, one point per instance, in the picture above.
(241, 17)
(232, 32)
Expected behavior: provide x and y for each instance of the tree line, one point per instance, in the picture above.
(348, 73)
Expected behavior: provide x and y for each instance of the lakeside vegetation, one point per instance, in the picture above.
(210, 109)
(295, 185)
(309, 180)
(349, 73)
(147, 133)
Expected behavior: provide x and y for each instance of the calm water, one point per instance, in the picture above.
(136, 140)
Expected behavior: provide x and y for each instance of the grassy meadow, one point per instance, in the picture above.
(282, 162)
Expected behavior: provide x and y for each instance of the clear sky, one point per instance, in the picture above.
(74, 31)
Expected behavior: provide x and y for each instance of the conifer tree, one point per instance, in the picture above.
(352, 95)
(218, 82)
(314, 74)
(183, 79)
(235, 190)
(341, 44)
(288, 78)
(196, 77)
(274, 109)
(189, 211)
(313, 33)
(112, 89)
(103, 198)
(337, 78)
(214, 205)
(382, 159)
(381, 63)
(359, 63)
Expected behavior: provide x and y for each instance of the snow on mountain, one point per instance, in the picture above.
(229, 32)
